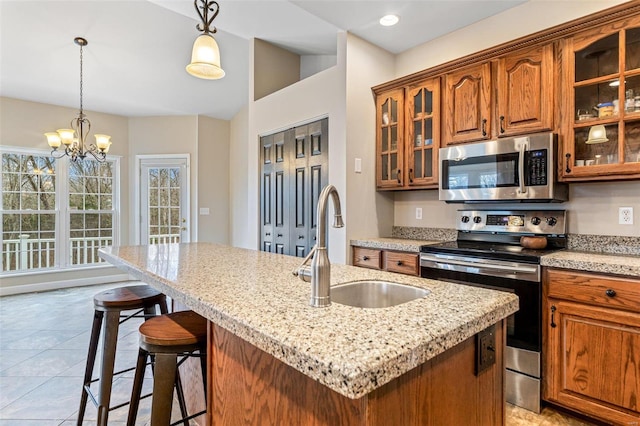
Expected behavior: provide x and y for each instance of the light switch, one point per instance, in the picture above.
(358, 165)
(204, 211)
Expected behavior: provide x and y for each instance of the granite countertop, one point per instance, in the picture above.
(351, 350)
(594, 262)
(400, 244)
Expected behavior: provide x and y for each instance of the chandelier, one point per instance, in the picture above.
(75, 140)
(205, 56)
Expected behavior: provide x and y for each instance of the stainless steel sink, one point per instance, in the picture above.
(375, 294)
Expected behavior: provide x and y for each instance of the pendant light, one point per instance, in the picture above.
(75, 140)
(205, 56)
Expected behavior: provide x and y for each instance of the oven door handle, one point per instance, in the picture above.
(518, 269)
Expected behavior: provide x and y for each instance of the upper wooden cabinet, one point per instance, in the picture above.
(525, 91)
(467, 105)
(390, 139)
(523, 97)
(408, 136)
(422, 120)
(601, 70)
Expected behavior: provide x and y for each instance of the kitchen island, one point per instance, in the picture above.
(273, 359)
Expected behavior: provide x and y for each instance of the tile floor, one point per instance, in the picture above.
(43, 346)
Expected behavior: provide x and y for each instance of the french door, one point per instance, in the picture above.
(164, 200)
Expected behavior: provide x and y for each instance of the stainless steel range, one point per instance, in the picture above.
(488, 254)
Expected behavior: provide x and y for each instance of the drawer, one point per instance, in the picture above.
(368, 258)
(594, 289)
(404, 263)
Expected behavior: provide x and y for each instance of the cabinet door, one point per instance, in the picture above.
(267, 155)
(390, 139)
(422, 117)
(318, 174)
(525, 91)
(280, 195)
(602, 109)
(467, 101)
(593, 360)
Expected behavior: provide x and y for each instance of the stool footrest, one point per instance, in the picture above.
(186, 419)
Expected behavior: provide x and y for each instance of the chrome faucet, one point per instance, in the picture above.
(319, 273)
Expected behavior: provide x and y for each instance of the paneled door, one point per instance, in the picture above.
(164, 200)
(293, 171)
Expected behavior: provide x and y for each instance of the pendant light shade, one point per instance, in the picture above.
(205, 59)
(205, 56)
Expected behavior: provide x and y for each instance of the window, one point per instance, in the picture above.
(55, 213)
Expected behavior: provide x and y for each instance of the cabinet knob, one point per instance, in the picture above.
(610, 292)
(399, 263)
(365, 258)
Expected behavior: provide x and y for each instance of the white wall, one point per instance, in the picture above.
(239, 192)
(593, 207)
(213, 179)
(370, 212)
(519, 21)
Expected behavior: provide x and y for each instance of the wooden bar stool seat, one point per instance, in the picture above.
(109, 306)
(169, 340)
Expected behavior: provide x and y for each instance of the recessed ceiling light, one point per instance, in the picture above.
(389, 20)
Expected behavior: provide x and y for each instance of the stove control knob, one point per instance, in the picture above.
(464, 219)
(535, 220)
(477, 219)
(552, 221)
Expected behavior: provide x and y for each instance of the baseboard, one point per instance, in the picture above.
(55, 285)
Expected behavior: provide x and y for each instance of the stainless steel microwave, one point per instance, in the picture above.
(517, 169)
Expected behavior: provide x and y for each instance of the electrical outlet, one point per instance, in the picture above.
(418, 212)
(625, 215)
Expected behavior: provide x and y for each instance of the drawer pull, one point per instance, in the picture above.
(365, 258)
(399, 263)
(553, 311)
(610, 292)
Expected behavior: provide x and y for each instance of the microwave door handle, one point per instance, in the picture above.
(523, 148)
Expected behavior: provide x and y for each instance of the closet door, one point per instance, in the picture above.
(293, 171)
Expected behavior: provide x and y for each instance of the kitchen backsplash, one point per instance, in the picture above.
(415, 233)
(604, 244)
(581, 242)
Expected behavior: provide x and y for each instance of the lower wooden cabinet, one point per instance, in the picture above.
(592, 344)
(402, 262)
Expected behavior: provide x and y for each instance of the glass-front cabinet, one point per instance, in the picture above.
(603, 71)
(390, 139)
(423, 128)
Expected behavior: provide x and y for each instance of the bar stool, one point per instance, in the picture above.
(167, 338)
(108, 307)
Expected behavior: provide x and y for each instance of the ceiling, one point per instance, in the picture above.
(134, 62)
